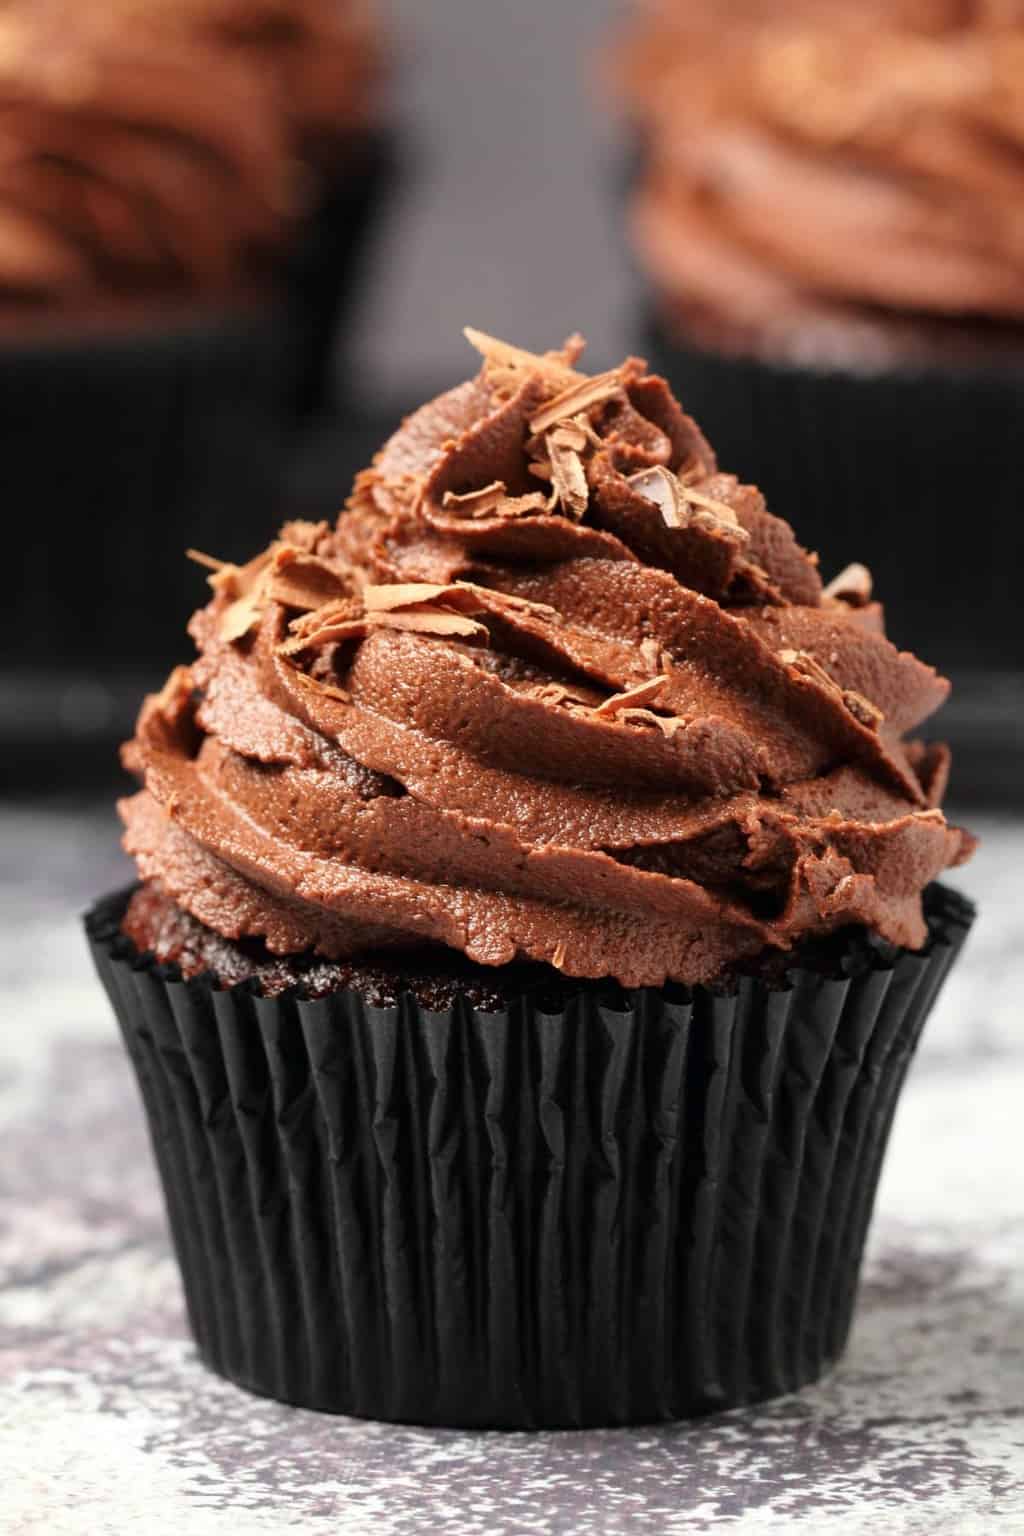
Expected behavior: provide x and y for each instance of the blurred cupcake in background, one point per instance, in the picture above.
(323, 62)
(182, 191)
(322, 57)
(828, 218)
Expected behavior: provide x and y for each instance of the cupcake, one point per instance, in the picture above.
(176, 216)
(826, 223)
(537, 915)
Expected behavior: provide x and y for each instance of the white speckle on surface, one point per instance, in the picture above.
(109, 1424)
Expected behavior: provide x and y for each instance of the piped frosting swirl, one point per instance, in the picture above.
(554, 687)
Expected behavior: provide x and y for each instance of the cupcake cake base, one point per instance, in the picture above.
(519, 1201)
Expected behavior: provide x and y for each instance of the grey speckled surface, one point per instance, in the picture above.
(108, 1423)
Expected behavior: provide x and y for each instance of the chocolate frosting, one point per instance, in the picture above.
(160, 147)
(553, 688)
(847, 160)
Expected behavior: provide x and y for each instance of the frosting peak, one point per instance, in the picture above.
(554, 687)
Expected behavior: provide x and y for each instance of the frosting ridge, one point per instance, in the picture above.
(554, 687)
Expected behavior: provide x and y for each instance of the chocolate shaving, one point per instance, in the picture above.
(406, 594)
(719, 510)
(714, 515)
(568, 479)
(641, 693)
(227, 578)
(554, 693)
(209, 561)
(304, 535)
(853, 585)
(503, 381)
(344, 630)
(285, 573)
(660, 486)
(429, 621)
(578, 398)
(175, 696)
(568, 435)
(576, 432)
(422, 607)
(666, 724)
(244, 585)
(311, 628)
(681, 506)
(478, 503)
(317, 685)
(240, 617)
(300, 580)
(860, 708)
(504, 356)
(585, 426)
(423, 621)
(328, 613)
(806, 665)
(492, 501)
(461, 596)
(241, 580)
(522, 506)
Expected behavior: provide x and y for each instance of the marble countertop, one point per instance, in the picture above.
(109, 1424)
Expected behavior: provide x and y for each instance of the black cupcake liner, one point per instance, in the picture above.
(127, 441)
(916, 471)
(587, 1208)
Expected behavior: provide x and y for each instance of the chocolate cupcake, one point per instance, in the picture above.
(178, 215)
(826, 225)
(537, 920)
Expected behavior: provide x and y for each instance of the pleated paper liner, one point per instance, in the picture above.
(915, 471)
(586, 1208)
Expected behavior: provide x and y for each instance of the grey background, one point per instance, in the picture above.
(507, 216)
